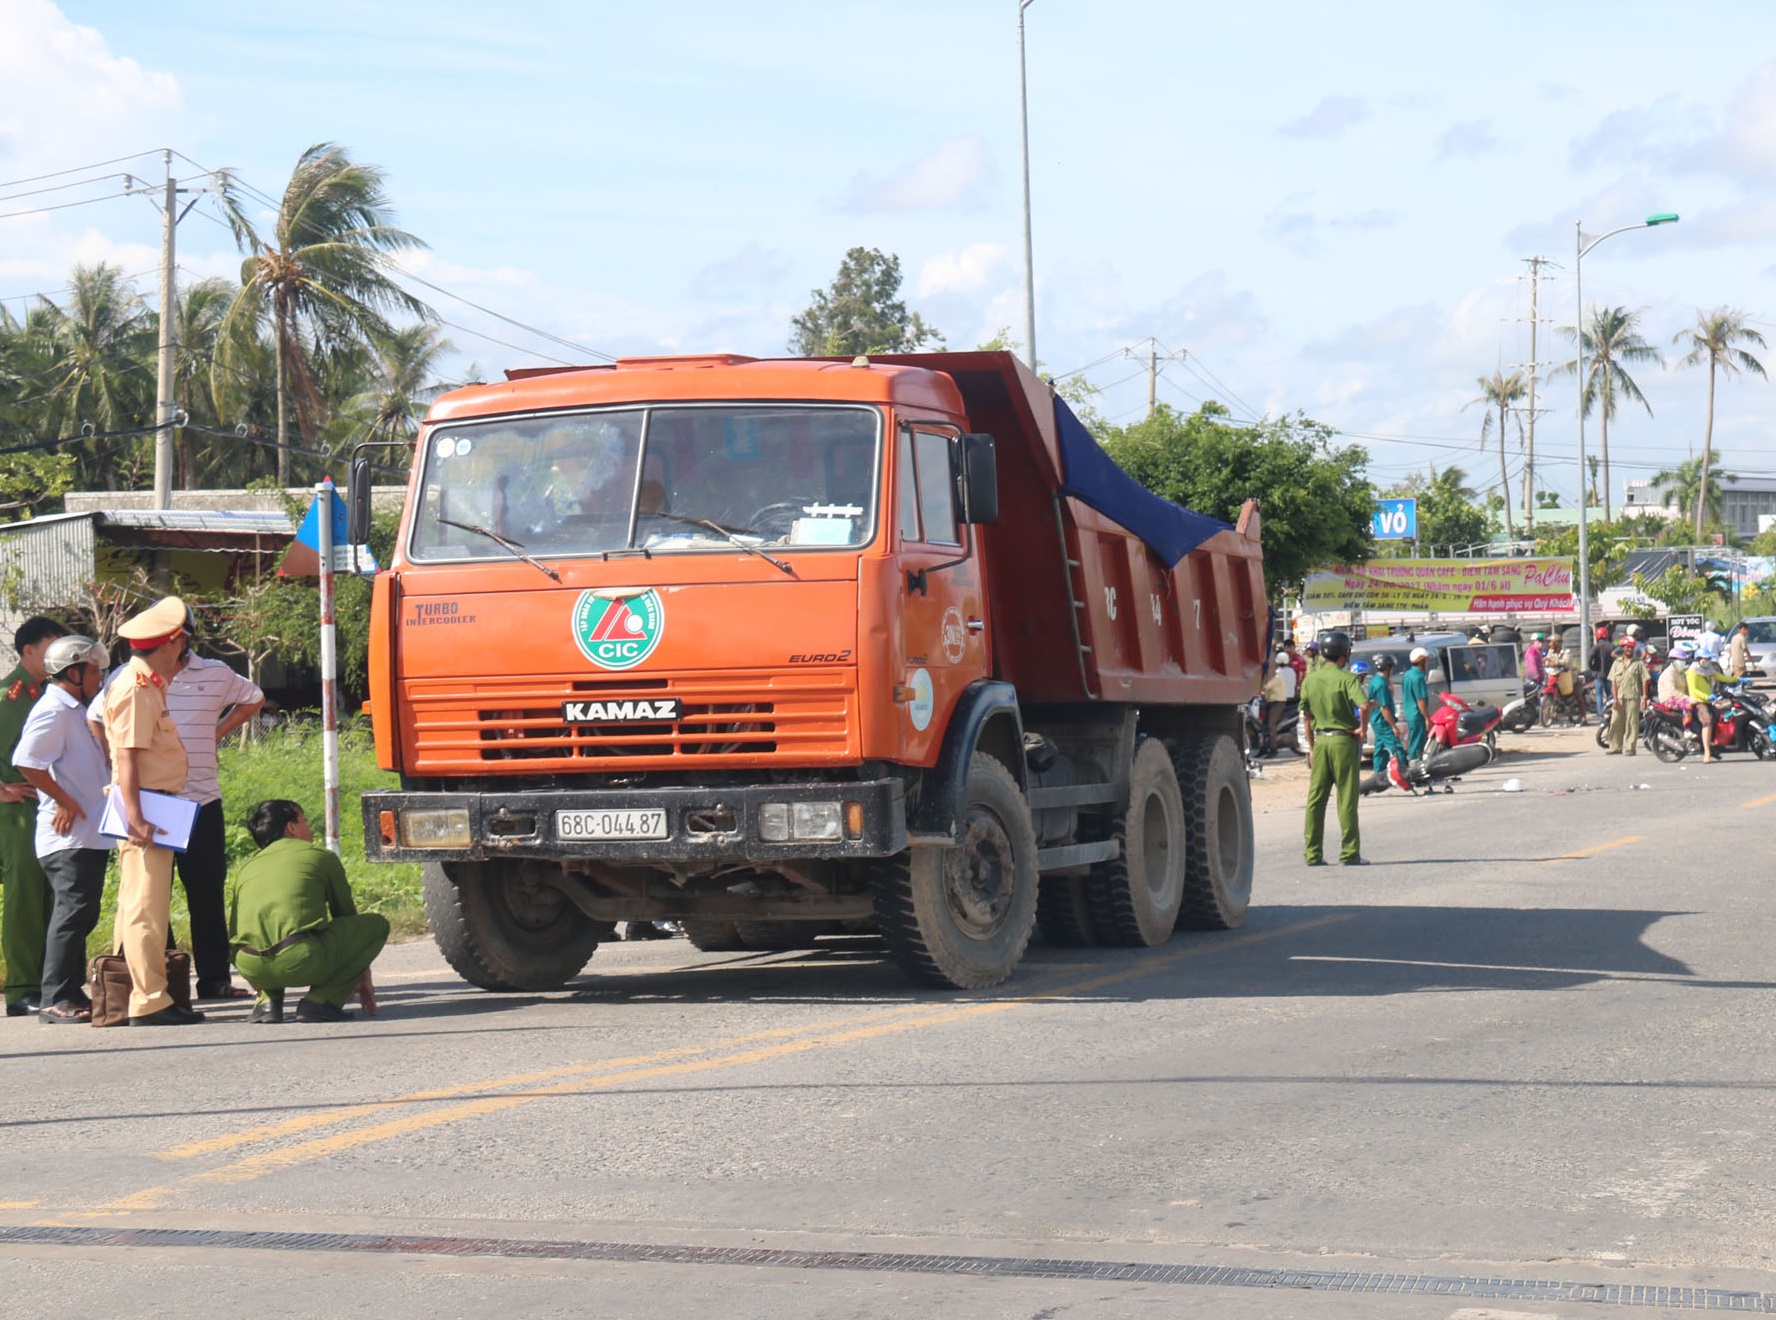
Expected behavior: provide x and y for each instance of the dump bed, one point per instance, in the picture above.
(1084, 608)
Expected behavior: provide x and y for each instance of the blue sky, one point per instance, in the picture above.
(1326, 207)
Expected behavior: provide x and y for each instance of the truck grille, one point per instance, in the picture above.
(727, 720)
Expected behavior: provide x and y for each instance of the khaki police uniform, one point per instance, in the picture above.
(136, 717)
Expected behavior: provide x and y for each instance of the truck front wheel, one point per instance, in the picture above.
(961, 917)
(501, 926)
(1217, 832)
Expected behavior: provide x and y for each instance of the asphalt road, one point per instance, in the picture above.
(1520, 1066)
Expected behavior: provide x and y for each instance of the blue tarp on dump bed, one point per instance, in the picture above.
(1090, 476)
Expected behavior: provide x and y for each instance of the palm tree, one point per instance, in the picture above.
(1691, 485)
(1501, 392)
(322, 279)
(1712, 340)
(1612, 338)
(103, 339)
(406, 382)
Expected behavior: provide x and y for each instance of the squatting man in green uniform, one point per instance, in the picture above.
(1333, 711)
(293, 923)
(24, 917)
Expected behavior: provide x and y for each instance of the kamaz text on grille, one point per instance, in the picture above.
(643, 711)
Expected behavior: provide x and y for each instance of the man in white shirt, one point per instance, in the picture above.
(197, 696)
(59, 757)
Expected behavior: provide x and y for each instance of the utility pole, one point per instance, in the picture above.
(166, 408)
(1029, 249)
(1154, 358)
(1535, 365)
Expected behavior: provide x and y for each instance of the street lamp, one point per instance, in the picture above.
(1580, 248)
(1029, 251)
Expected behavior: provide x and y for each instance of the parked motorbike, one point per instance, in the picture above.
(1570, 707)
(1256, 734)
(1523, 713)
(1455, 723)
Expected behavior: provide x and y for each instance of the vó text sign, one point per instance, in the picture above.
(1395, 520)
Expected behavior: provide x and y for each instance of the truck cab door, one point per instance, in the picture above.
(943, 632)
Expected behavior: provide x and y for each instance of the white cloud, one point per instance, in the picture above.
(746, 272)
(960, 272)
(955, 173)
(1329, 118)
(1473, 138)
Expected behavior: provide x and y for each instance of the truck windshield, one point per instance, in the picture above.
(661, 479)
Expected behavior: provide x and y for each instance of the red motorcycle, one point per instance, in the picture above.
(1455, 723)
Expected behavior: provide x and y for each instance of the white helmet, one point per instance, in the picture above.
(66, 652)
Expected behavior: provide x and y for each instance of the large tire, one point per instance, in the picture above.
(1135, 897)
(1064, 911)
(961, 917)
(713, 936)
(772, 936)
(1218, 843)
(503, 929)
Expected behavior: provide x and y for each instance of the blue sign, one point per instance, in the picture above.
(1395, 520)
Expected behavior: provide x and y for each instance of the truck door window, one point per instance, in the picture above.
(937, 488)
(909, 489)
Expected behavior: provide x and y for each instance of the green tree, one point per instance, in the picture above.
(1316, 499)
(322, 278)
(1611, 338)
(1448, 512)
(1501, 393)
(861, 312)
(403, 384)
(1690, 485)
(103, 339)
(1715, 339)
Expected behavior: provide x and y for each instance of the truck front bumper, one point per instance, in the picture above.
(703, 826)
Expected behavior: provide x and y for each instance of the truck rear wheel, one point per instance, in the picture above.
(502, 927)
(1064, 911)
(961, 917)
(713, 936)
(1135, 897)
(1217, 832)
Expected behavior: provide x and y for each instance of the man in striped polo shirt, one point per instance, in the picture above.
(197, 697)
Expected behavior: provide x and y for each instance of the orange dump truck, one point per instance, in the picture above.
(782, 648)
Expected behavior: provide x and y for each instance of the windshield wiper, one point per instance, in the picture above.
(507, 542)
(726, 533)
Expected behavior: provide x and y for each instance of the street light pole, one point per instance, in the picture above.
(1029, 250)
(1580, 248)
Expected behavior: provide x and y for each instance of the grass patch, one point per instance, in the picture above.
(287, 764)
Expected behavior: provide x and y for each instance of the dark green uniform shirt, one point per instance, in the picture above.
(1332, 697)
(18, 693)
(289, 887)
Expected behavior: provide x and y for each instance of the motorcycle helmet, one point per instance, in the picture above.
(1384, 663)
(1359, 667)
(1336, 647)
(65, 653)
(1681, 652)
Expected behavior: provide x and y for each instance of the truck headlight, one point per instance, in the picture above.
(780, 822)
(435, 827)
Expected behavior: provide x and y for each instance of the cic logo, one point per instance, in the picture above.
(618, 632)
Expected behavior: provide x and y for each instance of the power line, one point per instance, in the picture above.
(65, 206)
(63, 187)
(82, 169)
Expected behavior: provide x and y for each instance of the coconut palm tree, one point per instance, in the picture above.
(406, 383)
(103, 339)
(1611, 338)
(321, 278)
(1714, 339)
(1692, 485)
(1501, 392)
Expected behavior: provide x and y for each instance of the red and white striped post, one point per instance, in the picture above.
(329, 664)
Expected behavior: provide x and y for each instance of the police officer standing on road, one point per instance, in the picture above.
(1333, 711)
(147, 754)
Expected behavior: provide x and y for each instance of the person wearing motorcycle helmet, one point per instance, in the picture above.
(1360, 668)
(60, 757)
(1674, 684)
(1415, 693)
(1701, 677)
(1333, 712)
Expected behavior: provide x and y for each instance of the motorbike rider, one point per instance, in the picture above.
(1674, 683)
(1532, 658)
(1415, 694)
(1628, 679)
(1279, 691)
(1703, 674)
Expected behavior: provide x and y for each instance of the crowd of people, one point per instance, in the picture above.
(91, 763)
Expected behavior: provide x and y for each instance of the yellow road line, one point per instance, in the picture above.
(1759, 802)
(586, 1078)
(1595, 848)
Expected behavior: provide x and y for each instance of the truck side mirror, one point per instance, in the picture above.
(979, 480)
(357, 502)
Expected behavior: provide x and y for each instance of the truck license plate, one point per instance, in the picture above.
(581, 825)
